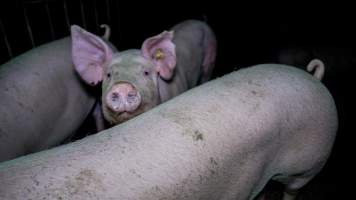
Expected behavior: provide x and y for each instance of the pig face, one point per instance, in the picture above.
(130, 82)
(129, 87)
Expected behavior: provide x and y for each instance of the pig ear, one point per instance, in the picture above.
(90, 54)
(161, 51)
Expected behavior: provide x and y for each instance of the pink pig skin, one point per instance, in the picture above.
(42, 100)
(223, 140)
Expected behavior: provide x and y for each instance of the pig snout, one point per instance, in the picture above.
(123, 97)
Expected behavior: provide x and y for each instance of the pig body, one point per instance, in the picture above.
(196, 52)
(42, 100)
(135, 81)
(223, 140)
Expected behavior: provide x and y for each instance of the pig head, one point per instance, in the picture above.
(134, 81)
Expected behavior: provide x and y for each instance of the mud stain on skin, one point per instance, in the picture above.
(21, 104)
(177, 116)
(214, 167)
(37, 74)
(257, 93)
(180, 118)
(250, 82)
(85, 184)
(229, 83)
(198, 136)
(213, 161)
(132, 171)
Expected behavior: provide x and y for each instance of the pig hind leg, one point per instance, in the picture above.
(295, 182)
(292, 188)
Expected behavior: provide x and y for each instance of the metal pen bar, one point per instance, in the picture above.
(82, 14)
(8, 47)
(107, 11)
(96, 17)
(49, 20)
(66, 16)
(28, 25)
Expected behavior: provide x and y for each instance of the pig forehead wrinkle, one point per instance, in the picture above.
(129, 57)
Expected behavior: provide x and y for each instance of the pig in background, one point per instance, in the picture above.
(134, 81)
(42, 99)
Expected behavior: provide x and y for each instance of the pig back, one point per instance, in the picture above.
(42, 99)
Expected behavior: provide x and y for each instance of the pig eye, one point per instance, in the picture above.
(108, 75)
(146, 73)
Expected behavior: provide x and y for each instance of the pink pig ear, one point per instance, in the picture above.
(90, 54)
(161, 51)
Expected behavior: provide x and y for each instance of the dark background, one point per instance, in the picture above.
(246, 35)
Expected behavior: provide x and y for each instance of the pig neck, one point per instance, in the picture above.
(173, 87)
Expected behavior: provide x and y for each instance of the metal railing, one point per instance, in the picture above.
(25, 24)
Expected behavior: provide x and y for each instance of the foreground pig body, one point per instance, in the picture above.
(223, 140)
(134, 81)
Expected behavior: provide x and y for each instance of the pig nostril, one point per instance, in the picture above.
(132, 96)
(115, 97)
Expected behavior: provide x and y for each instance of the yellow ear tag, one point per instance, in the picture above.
(159, 54)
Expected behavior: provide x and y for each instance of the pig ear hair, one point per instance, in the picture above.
(90, 54)
(161, 51)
